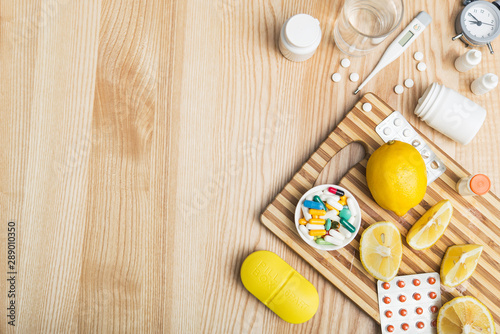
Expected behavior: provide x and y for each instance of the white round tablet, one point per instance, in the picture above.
(336, 77)
(387, 131)
(399, 89)
(418, 56)
(354, 77)
(345, 62)
(398, 122)
(421, 67)
(407, 133)
(409, 83)
(367, 107)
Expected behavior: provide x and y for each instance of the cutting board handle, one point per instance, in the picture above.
(306, 177)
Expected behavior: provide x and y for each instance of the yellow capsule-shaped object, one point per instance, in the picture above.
(343, 200)
(302, 221)
(314, 233)
(280, 287)
(329, 207)
(315, 212)
(315, 217)
(317, 221)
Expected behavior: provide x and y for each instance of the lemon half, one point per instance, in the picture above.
(465, 315)
(381, 250)
(459, 262)
(431, 226)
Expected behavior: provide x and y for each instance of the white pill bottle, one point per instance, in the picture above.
(450, 113)
(300, 37)
(468, 60)
(484, 84)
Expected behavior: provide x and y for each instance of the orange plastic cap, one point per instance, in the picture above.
(480, 184)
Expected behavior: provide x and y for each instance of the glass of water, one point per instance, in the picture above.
(364, 24)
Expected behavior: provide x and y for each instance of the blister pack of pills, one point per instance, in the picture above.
(396, 127)
(410, 303)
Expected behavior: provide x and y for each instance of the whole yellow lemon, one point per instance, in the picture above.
(396, 176)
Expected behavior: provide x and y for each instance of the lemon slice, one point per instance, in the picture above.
(381, 250)
(459, 262)
(431, 226)
(465, 315)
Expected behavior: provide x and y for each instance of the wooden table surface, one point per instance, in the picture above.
(141, 140)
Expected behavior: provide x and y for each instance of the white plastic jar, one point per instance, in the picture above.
(300, 37)
(450, 113)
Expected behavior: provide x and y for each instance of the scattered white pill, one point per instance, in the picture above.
(418, 56)
(336, 77)
(354, 77)
(421, 67)
(345, 63)
(399, 89)
(367, 107)
(409, 83)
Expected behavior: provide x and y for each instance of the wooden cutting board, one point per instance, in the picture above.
(475, 219)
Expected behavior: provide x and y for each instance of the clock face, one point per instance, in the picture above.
(480, 21)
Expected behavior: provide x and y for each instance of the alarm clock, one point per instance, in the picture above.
(479, 23)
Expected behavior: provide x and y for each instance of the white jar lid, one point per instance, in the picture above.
(302, 31)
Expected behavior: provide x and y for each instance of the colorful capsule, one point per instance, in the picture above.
(336, 191)
(315, 212)
(317, 221)
(321, 241)
(318, 200)
(347, 225)
(345, 213)
(343, 200)
(329, 207)
(328, 224)
(313, 205)
(316, 233)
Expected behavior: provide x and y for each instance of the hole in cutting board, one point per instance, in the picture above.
(341, 163)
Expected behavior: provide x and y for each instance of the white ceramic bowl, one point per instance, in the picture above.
(299, 214)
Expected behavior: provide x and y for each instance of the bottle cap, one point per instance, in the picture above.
(480, 184)
(492, 78)
(302, 30)
(476, 54)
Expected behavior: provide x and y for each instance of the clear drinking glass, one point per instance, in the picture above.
(364, 24)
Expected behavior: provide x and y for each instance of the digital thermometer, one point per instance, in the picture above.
(400, 44)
